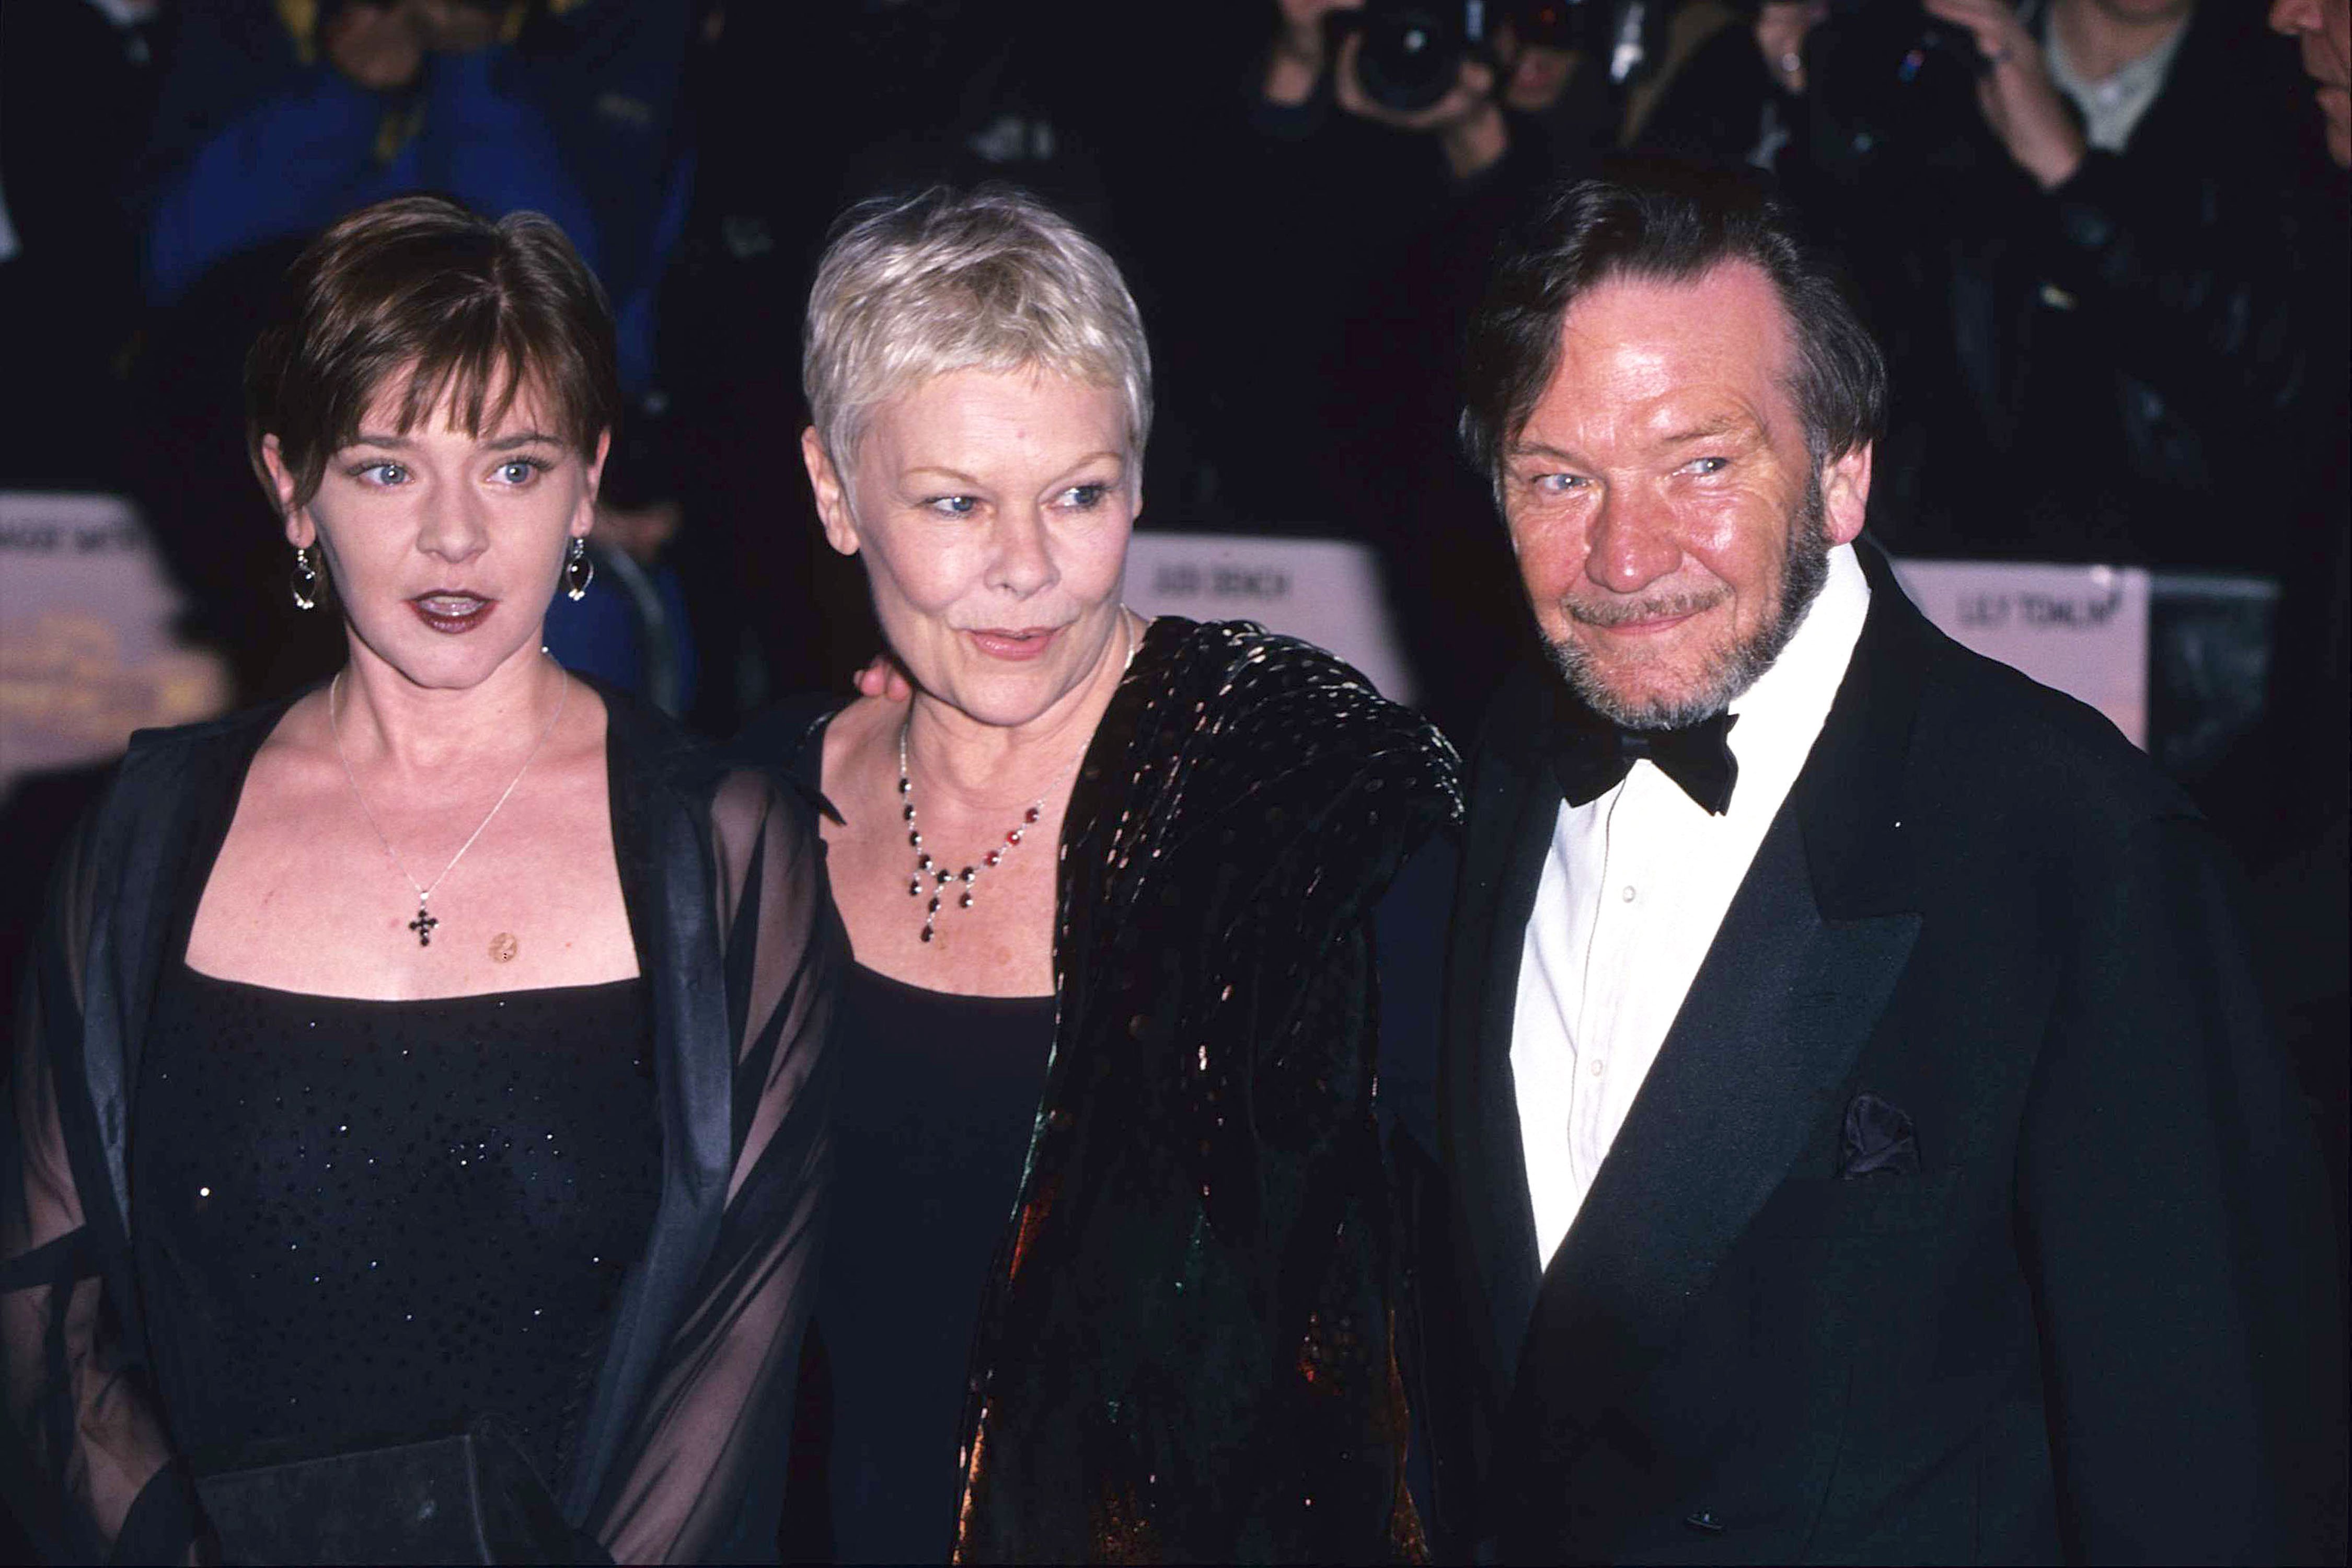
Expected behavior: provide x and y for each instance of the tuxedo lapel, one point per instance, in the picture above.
(1807, 956)
(1754, 1061)
(1515, 806)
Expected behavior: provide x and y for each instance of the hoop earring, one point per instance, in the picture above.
(578, 570)
(305, 584)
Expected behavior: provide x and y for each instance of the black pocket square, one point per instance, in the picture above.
(1878, 1139)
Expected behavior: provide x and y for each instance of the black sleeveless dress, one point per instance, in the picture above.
(364, 1222)
(933, 1108)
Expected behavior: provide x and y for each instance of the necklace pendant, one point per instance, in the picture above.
(423, 923)
(929, 873)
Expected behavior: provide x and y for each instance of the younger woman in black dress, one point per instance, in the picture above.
(443, 1043)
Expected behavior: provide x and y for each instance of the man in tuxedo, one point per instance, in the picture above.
(1863, 1140)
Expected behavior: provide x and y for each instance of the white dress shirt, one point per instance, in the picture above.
(1634, 890)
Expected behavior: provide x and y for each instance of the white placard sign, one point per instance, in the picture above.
(87, 648)
(1326, 591)
(2083, 629)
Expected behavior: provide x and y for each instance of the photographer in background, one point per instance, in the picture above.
(1388, 141)
(1460, 109)
(2098, 239)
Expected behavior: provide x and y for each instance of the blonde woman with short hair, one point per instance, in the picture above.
(1110, 1277)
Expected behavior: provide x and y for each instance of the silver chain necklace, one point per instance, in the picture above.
(939, 876)
(425, 922)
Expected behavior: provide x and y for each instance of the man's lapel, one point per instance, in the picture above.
(1515, 805)
(1807, 956)
(1753, 1063)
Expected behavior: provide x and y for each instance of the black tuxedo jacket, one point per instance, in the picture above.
(2099, 1319)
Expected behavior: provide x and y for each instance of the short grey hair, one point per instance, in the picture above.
(913, 286)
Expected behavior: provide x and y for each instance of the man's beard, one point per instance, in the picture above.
(1804, 567)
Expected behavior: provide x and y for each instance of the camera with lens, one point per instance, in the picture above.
(1887, 71)
(1412, 50)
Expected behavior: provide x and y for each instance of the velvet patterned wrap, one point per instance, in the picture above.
(1187, 1347)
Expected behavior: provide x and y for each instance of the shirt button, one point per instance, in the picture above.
(1627, 894)
(1599, 1066)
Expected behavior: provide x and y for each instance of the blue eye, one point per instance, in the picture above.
(520, 470)
(1558, 484)
(381, 474)
(1085, 498)
(1709, 465)
(953, 506)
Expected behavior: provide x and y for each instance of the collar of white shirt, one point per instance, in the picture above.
(1631, 895)
(1781, 715)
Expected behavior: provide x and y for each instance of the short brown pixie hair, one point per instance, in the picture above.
(469, 310)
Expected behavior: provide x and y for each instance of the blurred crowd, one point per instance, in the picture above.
(2105, 242)
(2102, 239)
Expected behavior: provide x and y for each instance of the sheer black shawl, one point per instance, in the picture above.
(679, 1454)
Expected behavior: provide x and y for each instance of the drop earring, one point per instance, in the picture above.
(578, 570)
(305, 583)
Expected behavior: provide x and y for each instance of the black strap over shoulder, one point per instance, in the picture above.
(56, 1263)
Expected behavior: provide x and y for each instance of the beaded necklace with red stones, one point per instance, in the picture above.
(926, 866)
(939, 876)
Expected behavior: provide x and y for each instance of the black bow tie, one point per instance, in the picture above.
(1592, 756)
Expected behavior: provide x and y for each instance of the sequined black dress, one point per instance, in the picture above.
(673, 1451)
(374, 1222)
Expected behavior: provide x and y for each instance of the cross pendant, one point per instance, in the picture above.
(423, 926)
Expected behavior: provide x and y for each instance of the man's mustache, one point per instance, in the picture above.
(1617, 613)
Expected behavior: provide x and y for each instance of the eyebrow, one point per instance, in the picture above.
(1118, 458)
(503, 444)
(1710, 430)
(958, 476)
(1707, 430)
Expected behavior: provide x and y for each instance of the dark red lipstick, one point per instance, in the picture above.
(452, 611)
